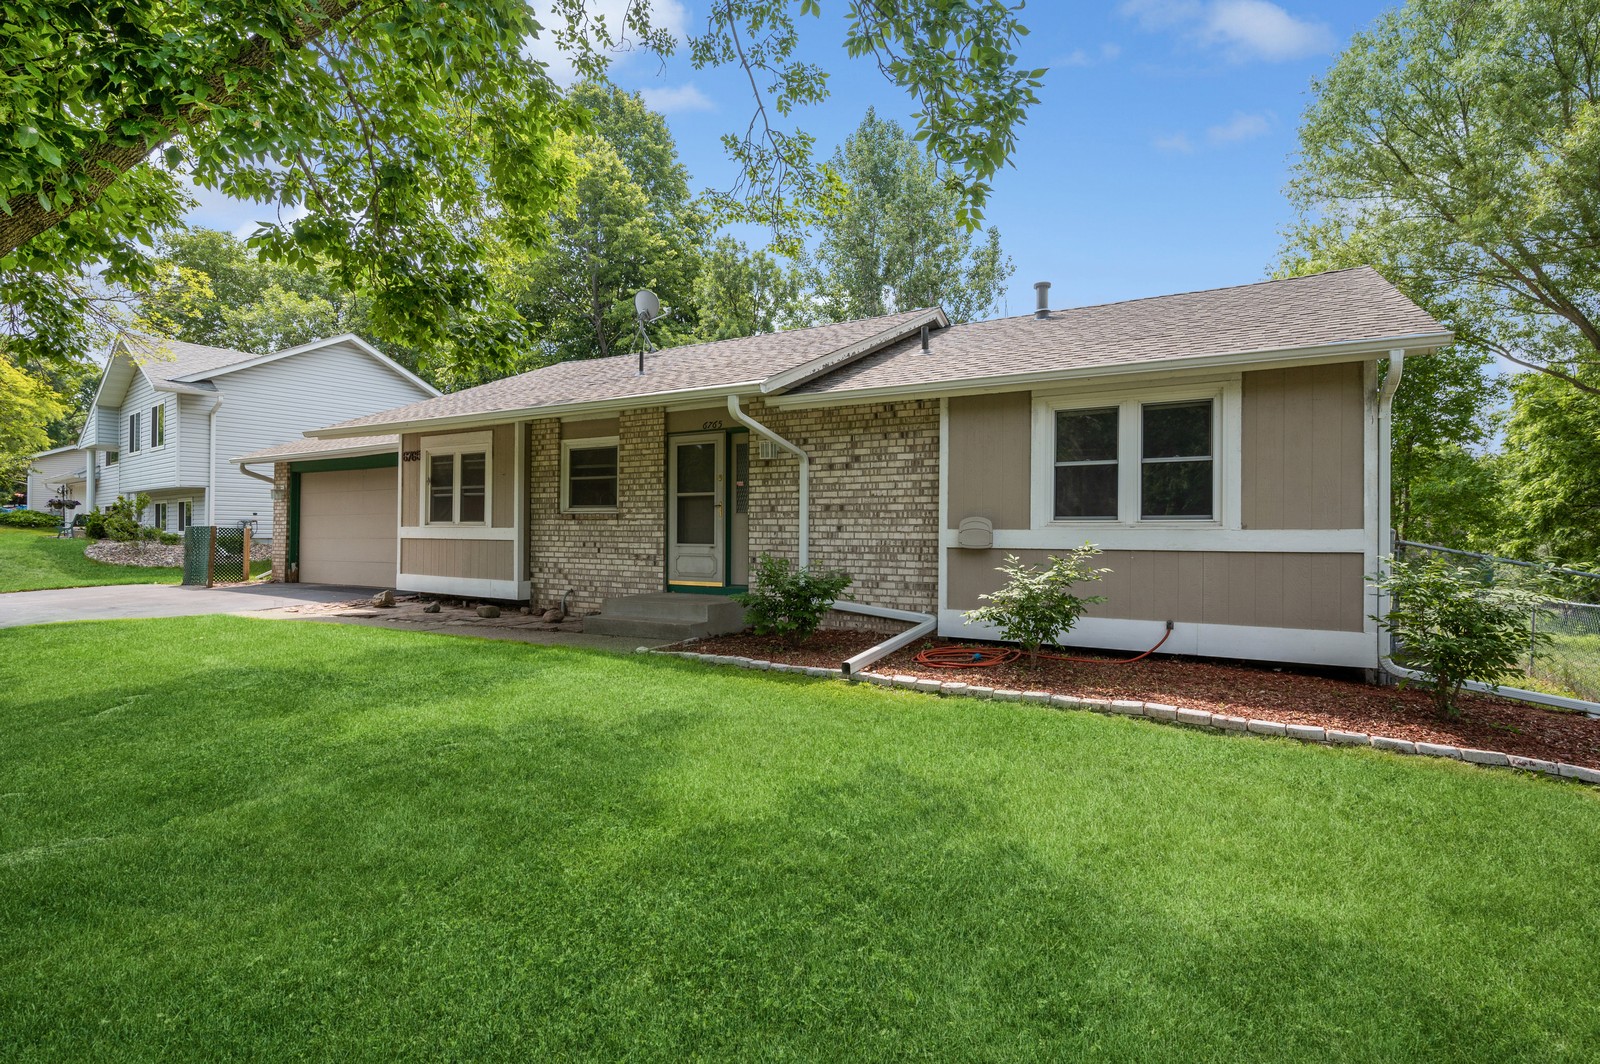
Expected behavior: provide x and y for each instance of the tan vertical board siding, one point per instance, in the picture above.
(599, 555)
(503, 464)
(697, 420)
(1314, 591)
(991, 438)
(1302, 463)
(465, 559)
(874, 479)
(588, 430)
(410, 481)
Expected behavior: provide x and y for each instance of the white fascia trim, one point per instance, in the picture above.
(593, 408)
(1297, 646)
(355, 450)
(457, 532)
(1244, 360)
(779, 383)
(342, 338)
(56, 450)
(179, 387)
(1111, 535)
(512, 590)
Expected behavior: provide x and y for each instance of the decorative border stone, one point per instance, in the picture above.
(1308, 733)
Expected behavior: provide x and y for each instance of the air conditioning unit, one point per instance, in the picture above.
(767, 451)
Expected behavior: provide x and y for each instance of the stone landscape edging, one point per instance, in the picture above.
(1165, 714)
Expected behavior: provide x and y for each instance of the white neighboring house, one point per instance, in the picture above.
(168, 415)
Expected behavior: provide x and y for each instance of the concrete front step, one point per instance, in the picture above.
(667, 617)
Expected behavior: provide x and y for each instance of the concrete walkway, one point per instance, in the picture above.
(160, 600)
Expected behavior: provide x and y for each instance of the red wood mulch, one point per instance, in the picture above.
(1290, 696)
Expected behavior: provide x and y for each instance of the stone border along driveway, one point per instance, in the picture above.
(1197, 718)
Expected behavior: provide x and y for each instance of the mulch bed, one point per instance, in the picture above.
(1289, 696)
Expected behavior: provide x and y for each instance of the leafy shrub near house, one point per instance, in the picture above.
(119, 521)
(1036, 606)
(1455, 624)
(30, 519)
(788, 601)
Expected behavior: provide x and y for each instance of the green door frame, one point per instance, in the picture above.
(324, 465)
(727, 514)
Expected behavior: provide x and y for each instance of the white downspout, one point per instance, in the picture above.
(1391, 384)
(88, 486)
(211, 465)
(805, 473)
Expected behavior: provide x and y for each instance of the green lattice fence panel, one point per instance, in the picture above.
(196, 554)
(228, 566)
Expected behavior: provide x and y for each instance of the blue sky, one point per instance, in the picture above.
(1155, 161)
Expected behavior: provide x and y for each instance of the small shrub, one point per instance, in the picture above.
(788, 601)
(119, 521)
(1036, 607)
(1455, 625)
(169, 538)
(30, 519)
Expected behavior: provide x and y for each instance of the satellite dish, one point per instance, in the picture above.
(646, 305)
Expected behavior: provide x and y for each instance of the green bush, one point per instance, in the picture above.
(788, 601)
(169, 538)
(1036, 606)
(1454, 624)
(119, 521)
(30, 519)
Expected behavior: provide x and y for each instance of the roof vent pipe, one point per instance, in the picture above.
(1041, 309)
(924, 339)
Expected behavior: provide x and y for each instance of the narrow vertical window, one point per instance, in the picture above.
(474, 486)
(441, 487)
(1175, 476)
(158, 425)
(1086, 463)
(133, 432)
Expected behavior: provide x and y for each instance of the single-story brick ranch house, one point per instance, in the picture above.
(1226, 448)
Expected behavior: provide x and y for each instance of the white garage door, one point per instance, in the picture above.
(348, 527)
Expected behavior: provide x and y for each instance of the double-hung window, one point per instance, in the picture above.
(158, 425)
(133, 432)
(589, 475)
(159, 517)
(456, 480)
(1132, 459)
(185, 514)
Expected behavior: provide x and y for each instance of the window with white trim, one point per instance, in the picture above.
(133, 432)
(159, 518)
(456, 479)
(590, 475)
(158, 425)
(1133, 458)
(185, 514)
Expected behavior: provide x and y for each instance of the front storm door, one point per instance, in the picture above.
(696, 495)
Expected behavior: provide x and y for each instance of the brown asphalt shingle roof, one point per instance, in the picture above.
(170, 360)
(1326, 308)
(746, 360)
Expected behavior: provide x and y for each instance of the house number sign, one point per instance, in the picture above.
(411, 456)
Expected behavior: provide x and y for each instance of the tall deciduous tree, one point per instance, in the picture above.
(1550, 465)
(413, 134)
(28, 405)
(1465, 134)
(897, 240)
(742, 293)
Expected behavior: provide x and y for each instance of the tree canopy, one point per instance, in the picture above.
(1458, 141)
(895, 238)
(397, 142)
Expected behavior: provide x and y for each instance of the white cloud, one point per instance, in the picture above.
(1080, 57)
(667, 14)
(1177, 143)
(1243, 29)
(676, 99)
(1240, 127)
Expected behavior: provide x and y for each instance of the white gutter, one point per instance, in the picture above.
(211, 464)
(1391, 384)
(247, 471)
(923, 625)
(805, 473)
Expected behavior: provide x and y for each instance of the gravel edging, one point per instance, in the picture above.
(1155, 711)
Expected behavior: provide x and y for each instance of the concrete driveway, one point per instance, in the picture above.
(160, 600)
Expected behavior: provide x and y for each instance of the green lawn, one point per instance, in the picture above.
(243, 839)
(32, 560)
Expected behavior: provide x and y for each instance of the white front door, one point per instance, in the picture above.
(696, 497)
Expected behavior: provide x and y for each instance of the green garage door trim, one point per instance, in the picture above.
(325, 465)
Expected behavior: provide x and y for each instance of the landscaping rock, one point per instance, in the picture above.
(1266, 727)
(1578, 772)
(1197, 718)
(1306, 733)
(1534, 764)
(384, 599)
(1349, 738)
(1485, 757)
(954, 690)
(980, 692)
(1006, 695)
(1397, 746)
(1125, 706)
(1066, 702)
(1439, 750)
(525, 611)
(1227, 723)
(1157, 711)
(931, 686)
(432, 607)
(552, 616)
(488, 611)
(1037, 697)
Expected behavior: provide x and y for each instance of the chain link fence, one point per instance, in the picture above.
(215, 555)
(1568, 612)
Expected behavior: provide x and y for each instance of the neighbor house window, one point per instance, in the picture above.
(111, 458)
(133, 432)
(456, 470)
(185, 514)
(158, 425)
(589, 474)
(160, 515)
(1130, 459)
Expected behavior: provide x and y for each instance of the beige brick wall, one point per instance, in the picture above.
(874, 497)
(599, 555)
(280, 521)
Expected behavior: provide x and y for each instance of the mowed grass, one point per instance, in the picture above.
(224, 838)
(32, 560)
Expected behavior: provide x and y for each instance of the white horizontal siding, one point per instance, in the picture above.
(147, 469)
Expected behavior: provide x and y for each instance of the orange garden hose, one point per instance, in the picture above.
(960, 657)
